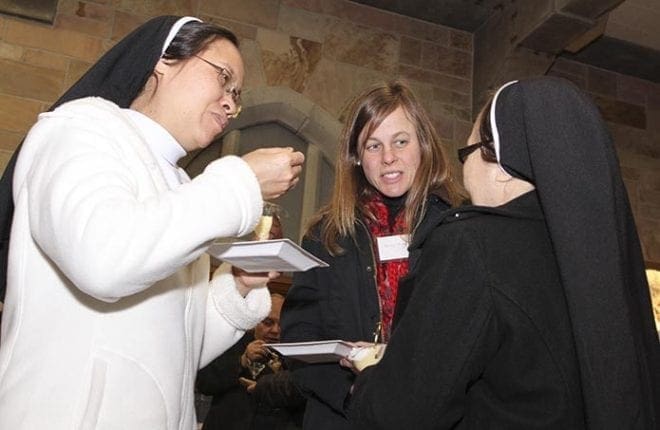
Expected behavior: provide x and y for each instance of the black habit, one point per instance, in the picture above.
(525, 322)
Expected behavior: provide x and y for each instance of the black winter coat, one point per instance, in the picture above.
(275, 404)
(337, 302)
(486, 340)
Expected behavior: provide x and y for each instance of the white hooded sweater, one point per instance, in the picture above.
(109, 310)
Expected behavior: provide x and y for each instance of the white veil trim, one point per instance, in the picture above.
(175, 29)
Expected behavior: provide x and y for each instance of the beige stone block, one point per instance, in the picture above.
(45, 59)
(631, 174)
(362, 46)
(156, 7)
(16, 114)
(440, 80)
(11, 52)
(333, 85)
(254, 70)
(632, 158)
(649, 234)
(410, 51)
(241, 30)
(287, 60)
(124, 23)
(446, 96)
(388, 21)
(649, 197)
(570, 67)
(446, 60)
(5, 156)
(653, 96)
(461, 40)
(444, 124)
(318, 6)
(305, 25)
(262, 13)
(462, 131)
(67, 7)
(653, 120)
(28, 81)
(9, 140)
(95, 11)
(75, 72)
(601, 82)
(632, 90)
(621, 112)
(579, 81)
(650, 211)
(650, 180)
(58, 41)
(84, 25)
(632, 190)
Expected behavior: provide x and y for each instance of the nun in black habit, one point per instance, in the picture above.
(530, 308)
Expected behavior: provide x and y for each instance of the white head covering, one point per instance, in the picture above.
(493, 123)
(175, 29)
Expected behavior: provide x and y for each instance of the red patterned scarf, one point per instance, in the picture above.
(389, 272)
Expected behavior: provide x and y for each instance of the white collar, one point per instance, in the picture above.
(159, 140)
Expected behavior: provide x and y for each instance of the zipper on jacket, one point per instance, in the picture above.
(378, 330)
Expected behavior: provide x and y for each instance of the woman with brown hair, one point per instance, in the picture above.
(391, 171)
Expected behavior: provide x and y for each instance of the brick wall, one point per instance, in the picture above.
(326, 50)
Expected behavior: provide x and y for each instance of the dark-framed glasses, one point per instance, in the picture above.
(465, 151)
(225, 78)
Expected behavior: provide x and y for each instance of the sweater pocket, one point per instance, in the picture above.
(122, 395)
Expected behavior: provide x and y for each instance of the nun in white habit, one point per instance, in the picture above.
(109, 310)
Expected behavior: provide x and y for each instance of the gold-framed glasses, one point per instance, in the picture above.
(225, 81)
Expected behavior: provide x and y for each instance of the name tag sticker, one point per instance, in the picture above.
(392, 247)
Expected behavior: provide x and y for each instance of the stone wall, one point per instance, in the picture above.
(631, 107)
(325, 50)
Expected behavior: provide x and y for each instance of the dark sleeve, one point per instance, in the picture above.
(222, 374)
(277, 390)
(303, 319)
(423, 377)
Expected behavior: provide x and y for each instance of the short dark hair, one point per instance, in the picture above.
(193, 37)
(486, 134)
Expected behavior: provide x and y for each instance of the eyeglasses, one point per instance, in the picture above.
(224, 78)
(469, 149)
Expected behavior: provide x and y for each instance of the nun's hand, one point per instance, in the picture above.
(247, 281)
(277, 169)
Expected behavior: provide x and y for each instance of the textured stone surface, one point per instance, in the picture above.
(446, 60)
(621, 112)
(317, 54)
(17, 114)
(440, 79)
(460, 40)
(601, 82)
(632, 90)
(410, 51)
(23, 80)
(305, 25)
(64, 42)
(362, 46)
(334, 84)
(262, 13)
(287, 60)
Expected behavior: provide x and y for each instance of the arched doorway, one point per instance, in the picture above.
(279, 116)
